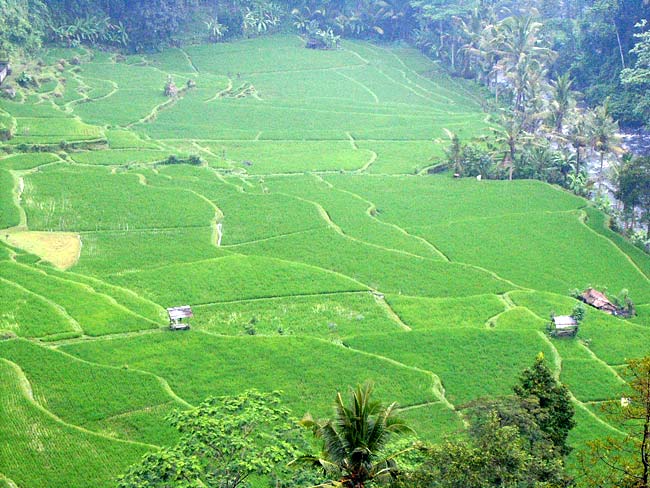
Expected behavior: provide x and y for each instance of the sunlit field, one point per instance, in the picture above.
(315, 250)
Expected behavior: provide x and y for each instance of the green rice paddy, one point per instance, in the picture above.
(315, 250)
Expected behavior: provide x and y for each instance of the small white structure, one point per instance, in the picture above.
(564, 326)
(179, 317)
(625, 402)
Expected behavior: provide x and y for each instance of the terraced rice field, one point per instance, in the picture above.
(314, 248)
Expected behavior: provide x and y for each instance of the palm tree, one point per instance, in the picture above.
(520, 53)
(454, 151)
(353, 442)
(510, 135)
(604, 135)
(578, 135)
(562, 100)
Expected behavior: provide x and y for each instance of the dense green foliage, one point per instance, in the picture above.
(554, 414)
(623, 460)
(224, 442)
(354, 442)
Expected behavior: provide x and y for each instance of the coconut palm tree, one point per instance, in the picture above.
(578, 134)
(511, 135)
(521, 53)
(354, 441)
(605, 136)
(562, 100)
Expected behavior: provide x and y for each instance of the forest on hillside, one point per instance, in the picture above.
(602, 44)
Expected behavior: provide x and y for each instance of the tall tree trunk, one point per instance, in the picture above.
(620, 46)
(600, 175)
(453, 57)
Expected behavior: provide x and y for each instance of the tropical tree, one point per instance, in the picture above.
(216, 30)
(624, 461)
(605, 135)
(521, 54)
(354, 442)
(578, 134)
(509, 136)
(505, 447)
(633, 190)
(261, 18)
(562, 101)
(454, 152)
(224, 441)
(554, 414)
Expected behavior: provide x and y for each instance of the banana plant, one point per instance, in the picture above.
(216, 30)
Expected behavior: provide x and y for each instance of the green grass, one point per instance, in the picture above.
(330, 317)
(590, 380)
(40, 450)
(95, 313)
(232, 278)
(597, 221)
(519, 318)
(27, 161)
(432, 423)
(29, 315)
(264, 157)
(614, 340)
(527, 250)
(120, 157)
(123, 296)
(284, 363)
(86, 394)
(470, 363)
(543, 304)
(9, 213)
(356, 217)
(126, 251)
(384, 270)
(65, 129)
(92, 199)
(125, 139)
(433, 313)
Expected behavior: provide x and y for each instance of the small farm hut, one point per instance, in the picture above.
(563, 326)
(179, 317)
(5, 70)
(598, 300)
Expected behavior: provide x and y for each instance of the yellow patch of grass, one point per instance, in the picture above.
(59, 248)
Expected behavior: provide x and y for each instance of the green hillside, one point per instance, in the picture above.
(309, 239)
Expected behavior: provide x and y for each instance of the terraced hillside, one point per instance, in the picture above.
(314, 249)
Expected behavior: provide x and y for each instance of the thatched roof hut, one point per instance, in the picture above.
(564, 326)
(598, 300)
(179, 317)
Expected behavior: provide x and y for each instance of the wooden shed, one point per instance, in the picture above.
(5, 70)
(598, 300)
(563, 326)
(179, 317)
